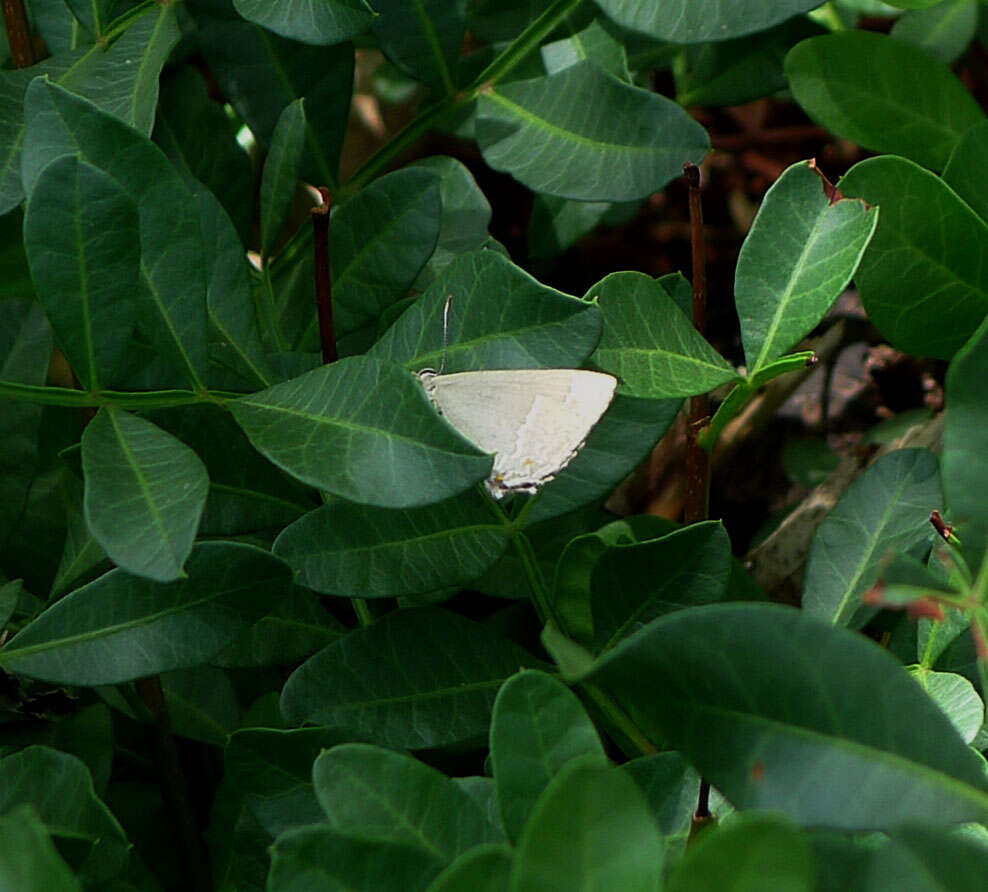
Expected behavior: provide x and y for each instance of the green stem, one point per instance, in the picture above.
(363, 611)
(68, 397)
(540, 590)
(619, 719)
(742, 393)
(268, 314)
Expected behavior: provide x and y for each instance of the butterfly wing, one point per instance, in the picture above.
(533, 420)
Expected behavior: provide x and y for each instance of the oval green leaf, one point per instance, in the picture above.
(310, 21)
(597, 138)
(798, 257)
(740, 690)
(82, 240)
(699, 21)
(144, 495)
(592, 829)
(885, 510)
(418, 678)
(537, 727)
(359, 551)
(883, 94)
(362, 429)
(121, 627)
(924, 278)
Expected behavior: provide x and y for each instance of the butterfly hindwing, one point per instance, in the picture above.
(533, 420)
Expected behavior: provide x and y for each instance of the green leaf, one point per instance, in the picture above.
(882, 94)
(82, 239)
(500, 318)
(956, 696)
(246, 492)
(924, 278)
(738, 689)
(121, 79)
(557, 224)
(310, 21)
(591, 829)
(598, 138)
(121, 627)
(320, 859)
(235, 341)
(697, 21)
(272, 769)
(145, 492)
(423, 39)
(967, 167)
(280, 174)
(82, 557)
(261, 73)
(671, 787)
(885, 510)
(464, 217)
(413, 803)
(965, 442)
(294, 629)
(617, 445)
(632, 584)
(201, 141)
(25, 353)
(649, 344)
(60, 789)
(752, 852)
(594, 43)
(733, 72)
(28, 860)
(798, 257)
(360, 551)
(202, 704)
(929, 859)
(481, 869)
(944, 31)
(362, 429)
(171, 307)
(380, 240)
(538, 726)
(417, 678)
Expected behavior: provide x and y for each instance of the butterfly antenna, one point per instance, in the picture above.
(449, 303)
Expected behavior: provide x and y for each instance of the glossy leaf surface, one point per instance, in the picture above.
(882, 94)
(965, 441)
(597, 138)
(310, 21)
(591, 829)
(798, 257)
(697, 21)
(362, 429)
(417, 678)
(650, 344)
(415, 804)
(145, 492)
(737, 688)
(537, 727)
(82, 239)
(885, 510)
(924, 278)
(121, 627)
(365, 552)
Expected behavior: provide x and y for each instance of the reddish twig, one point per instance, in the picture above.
(18, 33)
(324, 282)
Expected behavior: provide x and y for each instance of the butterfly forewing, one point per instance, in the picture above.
(532, 420)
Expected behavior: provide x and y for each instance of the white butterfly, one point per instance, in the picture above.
(534, 421)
